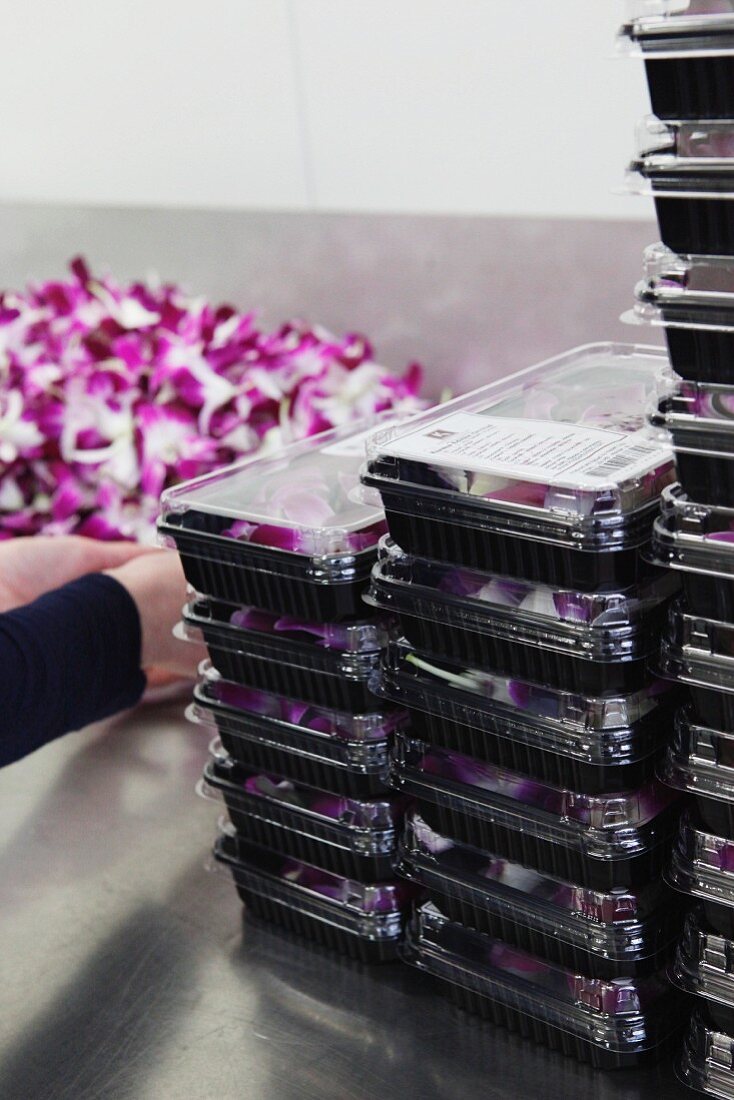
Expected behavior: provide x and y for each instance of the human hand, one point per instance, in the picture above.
(30, 567)
(157, 584)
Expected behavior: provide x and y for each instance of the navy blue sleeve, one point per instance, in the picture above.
(69, 658)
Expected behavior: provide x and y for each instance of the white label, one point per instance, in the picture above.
(533, 450)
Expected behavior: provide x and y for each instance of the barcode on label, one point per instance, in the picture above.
(627, 456)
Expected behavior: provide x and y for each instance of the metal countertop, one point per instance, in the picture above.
(127, 973)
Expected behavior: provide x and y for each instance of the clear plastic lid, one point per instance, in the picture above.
(263, 709)
(223, 778)
(700, 760)
(606, 922)
(683, 159)
(698, 651)
(692, 537)
(359, 744)
(479, 788)
(347, 648)
(495, 969)
(558, 720)
(559, 451)
(704, 963)
(702, 864)
(678, 28)
(302, 500)
(700, 416)
(692, 292)
(707, 1063)
(374, 910)
(592, 626)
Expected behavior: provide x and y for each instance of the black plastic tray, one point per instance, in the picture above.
(691, 87)
(627, 856)
(531, 662)
(642, 945)
(258, 576)
(311, 771)
(551, 767)
(291, 832)
(528, 559)
(585, 1034)
(282, 665)
(580, 746)
(699, 354)
(705, 478)
(315, 926)
(538, 1031)
(704, 227)
(703, 880)
(547, 855)
(356, 769)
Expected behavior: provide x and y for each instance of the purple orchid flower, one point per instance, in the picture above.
(111, 393)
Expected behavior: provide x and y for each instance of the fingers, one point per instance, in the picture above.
(157, 584)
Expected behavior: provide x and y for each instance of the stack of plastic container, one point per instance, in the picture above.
(685, 160)
(279, 553)
(518, 515)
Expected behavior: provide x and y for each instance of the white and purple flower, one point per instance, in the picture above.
(110, 393)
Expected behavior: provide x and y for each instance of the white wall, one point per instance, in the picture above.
(512, 107)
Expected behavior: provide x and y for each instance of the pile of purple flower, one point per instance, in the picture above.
(111, 393)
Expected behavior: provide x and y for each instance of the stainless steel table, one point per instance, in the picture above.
(126, 972)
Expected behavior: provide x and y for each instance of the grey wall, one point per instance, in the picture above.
(471, 298)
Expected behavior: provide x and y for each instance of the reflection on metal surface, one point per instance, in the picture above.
(127, 973)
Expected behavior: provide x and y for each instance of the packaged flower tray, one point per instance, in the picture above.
(362, 921)
(692, 298)
(581, 742)
(344, 753)
(587, 643)
(615, 934)
(701, 760)
(611, 1024)
(700, 419)
(697, 541)
(699, 652)
(688, 168)
(283, 531)
(549, 475)
(704, 967)
(688, 49)
(331, 664)
(347, 836)
(702, 865)
(601, 841)
(707, 1062)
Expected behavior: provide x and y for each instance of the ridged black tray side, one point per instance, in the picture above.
(543, 855)
(510, 556)
(224, 576)
(550, 767)
(702, 355)
(549, 1035)
(513, 658)
(705, 479)
(690, 87)
(302, 769)
(700, 226)
(310, 685)
(308, 849)
(549, 947)
(326, 935)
